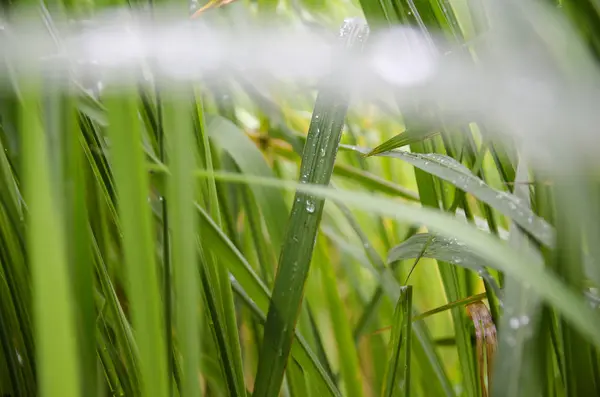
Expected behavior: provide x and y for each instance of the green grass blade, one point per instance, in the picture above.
(367, 179)
(121, 329)
(249, 159)
(404, 139)
(452, 279)
(317, 166)
(215, 277)
(437, 247)
(56, 335)
(397, 379)
(348, 356)
(257, 292)
(79, 249)
(451, 171)
(142, 279)
(182, 217)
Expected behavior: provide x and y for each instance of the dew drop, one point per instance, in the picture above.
(310, 206)
(514, 322)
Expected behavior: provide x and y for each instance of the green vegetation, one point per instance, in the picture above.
(215, 239)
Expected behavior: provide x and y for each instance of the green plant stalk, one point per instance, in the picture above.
(123, 335)
(177, 122)
(142, 278)
(259, 295)
(214, 274)
(318, 158)
(79, 250)
(55, 332)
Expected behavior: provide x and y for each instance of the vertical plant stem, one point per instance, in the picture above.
(318, 159)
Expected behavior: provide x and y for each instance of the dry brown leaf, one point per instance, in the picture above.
(485, 334)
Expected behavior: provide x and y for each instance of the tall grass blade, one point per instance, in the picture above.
(182, 218)
(142, 279)
(79, 249)
(317, 166)
(57, 355)
(255, 290)
(215, 278)
(249, 159)
(397, 378)
(347, 353)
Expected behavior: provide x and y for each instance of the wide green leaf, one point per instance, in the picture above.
(455, 173)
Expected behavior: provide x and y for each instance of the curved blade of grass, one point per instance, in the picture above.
(121, 329)
(397, 378)
(367, 179)
(17, 331)
(404, 139)
(218, 294)
(257, 293)
(516, 262)
(251, 161)
(452, 171)
(182, 214)
(262, 247)
(317, 166)
(452, 277)
(445, 249)
(142, 279)
(56, 335)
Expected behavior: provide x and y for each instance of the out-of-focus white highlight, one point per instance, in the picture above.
(403, 56)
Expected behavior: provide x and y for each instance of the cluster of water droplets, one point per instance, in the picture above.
(518, 321)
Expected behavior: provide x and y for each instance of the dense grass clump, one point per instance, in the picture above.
(431, 230)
